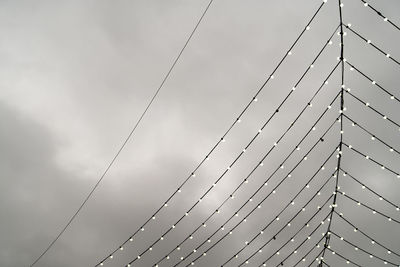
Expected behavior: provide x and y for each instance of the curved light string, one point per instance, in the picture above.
(221, 140)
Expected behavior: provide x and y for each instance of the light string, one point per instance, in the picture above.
(366, 4)
(357, 248)
(258, 164)
(367, 104)
(363, 186)
(342, 109)
(309, 236)
(279, 214)
(221, 140)
(256, 207)
(373, 240)
(348, 261)
(392, 96)
(242, 151)
(383, 167)
(368, 41)
(317, 245)
(264, 184)
(316, 258)
(373, 136)
(374, 211)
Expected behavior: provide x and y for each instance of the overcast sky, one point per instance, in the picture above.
(76, 75)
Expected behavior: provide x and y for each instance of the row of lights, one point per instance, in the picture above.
(383, 167)
(258, 206)
(374, 211)
(221, 140)
(356, 229)
(363, 250)
(385, 19)
(373, 82)
(313, 128)
(318, 193)
(363, 186)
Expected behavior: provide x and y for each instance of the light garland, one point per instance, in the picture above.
(356, 248)
(374, 211)
(245, 217)
(373, 136)
(292, 240)
(363, 186)
(367, 157)
(372, 240)
(221, 140)
(244, 150)
(263, 158)
(373, 82)
(387, 55)
(386, 19)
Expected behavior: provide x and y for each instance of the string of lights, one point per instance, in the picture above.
(373, 240)
(371, 255)
(279, 214)
(380, 14)
(367, 104)
(341, 110)
(296, 148)
(392, 96)
(252, 210)
(316, 258)
(260, 163)
(221, 140)
(373, 136)
(317, 245)
(374, 211)
(363, 186)
(238, 120)
(348, 261)
(129, 136)
(309, 236)
(368, 41)
(383, 167)
(308, 105)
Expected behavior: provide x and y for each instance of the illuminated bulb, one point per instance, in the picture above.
(347, 262)
(290, 53)
(356, 248)
(295, 251)
(255, 99)
(372, 138)
(165, 205)
(369, 41)
(167, 257)
(262, 232)
(288, 224)
(365, 4)
(329, 107)
(191, 237)
(277, 253)
(391, 149)
(179, 190)
(326, 82)
(293, 88)
(272, 76)
(260, 251)
(305, 158)
(330, 42)
(297, 148)
(363, 187)
(261, 164)
(282, 167)
(387, 55)
(111, 256)
(308, 186)
(292, 203)
(121, 248)
(385, 19)
(373, 82)
(138, 257)
(341, 5)
(259, 206)
(374, 212)
(142, 229)
(311, 66)
(308, 28)
(392, 97)
(186, 214)
(150, 248)
(209, 240)
(178, 248)
(384, 117)
(273, 192)
(289, 175)
(131, 239)
(173, 226)
(265, 184)
(292, 240)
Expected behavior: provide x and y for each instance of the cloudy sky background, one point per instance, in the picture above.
(75, 76)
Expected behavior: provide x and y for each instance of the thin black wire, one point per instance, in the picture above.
(327, 238)
(363, 250)
(392, 96)
(247, 146)
(299, 192)
(263, 158)
(368, 207)
(369, 189)
(297, 232)
(372, 108)
(373, 45)
(251, 211)
(343, 257)
(366, 235)
(308, 253)
(380, 14)
(223, 136)
(370, 133)
(128, 137)
(369, 158)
